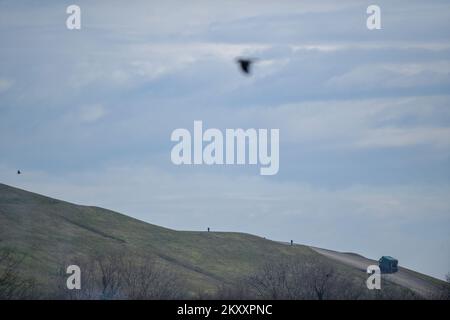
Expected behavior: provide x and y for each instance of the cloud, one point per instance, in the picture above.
(371, 45)
(92, 113)
(5, 84)
(398, 75)
(401, 137)
(357, 123)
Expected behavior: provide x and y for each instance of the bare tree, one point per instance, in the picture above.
(282, 280)
(446, 290)
(14, 285)
(112, 272)
(147, 279)
(443, 293)
(239, 290)
(309, 278)
(321, 278)
(271, 282)
(114, 276)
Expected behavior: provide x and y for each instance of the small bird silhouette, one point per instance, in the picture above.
(18, 172)
(245, 64)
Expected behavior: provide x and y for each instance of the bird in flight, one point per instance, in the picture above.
(18, 172)
(245, 64)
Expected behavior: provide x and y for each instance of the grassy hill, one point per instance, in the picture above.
(51, 232)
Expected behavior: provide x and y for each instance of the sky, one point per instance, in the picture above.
(364, 116)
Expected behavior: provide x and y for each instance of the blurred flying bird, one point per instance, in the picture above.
(18, 172)
(245, 64)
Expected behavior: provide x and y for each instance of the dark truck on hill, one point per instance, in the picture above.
(388, 264)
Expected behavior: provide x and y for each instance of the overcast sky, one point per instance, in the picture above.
(364, 116)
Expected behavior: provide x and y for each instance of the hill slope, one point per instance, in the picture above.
(52, 232)
(419, 283)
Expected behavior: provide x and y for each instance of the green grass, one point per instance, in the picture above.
(52, 232)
